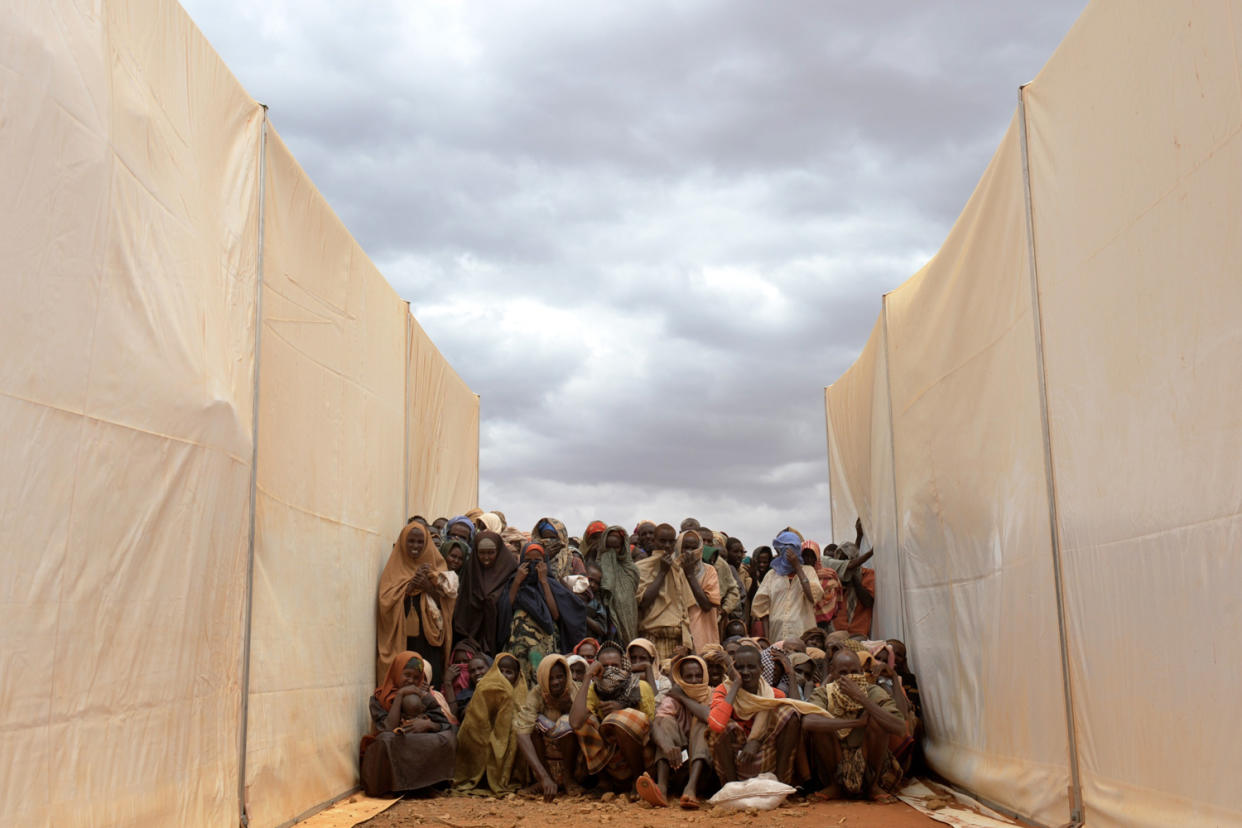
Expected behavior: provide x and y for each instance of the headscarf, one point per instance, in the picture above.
(476, 614)
(471, 514)
(462, 519)
(393, 625)
(591, 641)
(438, 696)
(647, 646)
(575, 659)
(614, 645)
(701, 692)
(785, 540)
(570, 626)
(671, 606)
(715, 654)
(544, 674)
(842, 637)
(620, 685)
(619, 583)
(559, 558)
(841, 706)
(491, 522)
(387, 691)
(486, 741)
(449, 543)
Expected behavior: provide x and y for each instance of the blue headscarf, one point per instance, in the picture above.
(460, 519)
(785, 540)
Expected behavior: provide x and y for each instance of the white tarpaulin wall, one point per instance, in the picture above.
(1097, 430)
(444, 430)
(130, 170)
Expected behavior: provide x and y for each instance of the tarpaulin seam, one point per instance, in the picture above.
(329, 308)
(1182, 178)
(320, 364)
(1077, 814)
(329, 518)
(985, 349)
(1149, 535)
(127, 426)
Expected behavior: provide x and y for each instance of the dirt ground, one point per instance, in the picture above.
(513, 812)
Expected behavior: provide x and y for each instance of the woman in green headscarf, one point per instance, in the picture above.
(620, 581)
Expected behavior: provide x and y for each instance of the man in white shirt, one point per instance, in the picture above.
(785, 601)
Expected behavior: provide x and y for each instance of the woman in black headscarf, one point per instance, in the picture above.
(484, 578)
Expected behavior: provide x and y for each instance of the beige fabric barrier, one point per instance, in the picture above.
(330, 485)
(862, 461)
(1132, 483)
(129, 258)
(1136, 179)
(443, 428)
(972, 494)
(127, 326)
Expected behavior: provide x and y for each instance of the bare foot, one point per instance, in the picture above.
(825, 794)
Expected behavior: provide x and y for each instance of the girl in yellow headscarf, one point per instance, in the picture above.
(487, 743)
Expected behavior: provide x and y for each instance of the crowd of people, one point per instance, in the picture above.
(661, 663)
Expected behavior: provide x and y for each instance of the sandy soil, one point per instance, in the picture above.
(513, 812)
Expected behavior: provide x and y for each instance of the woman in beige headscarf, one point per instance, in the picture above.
(415, 609)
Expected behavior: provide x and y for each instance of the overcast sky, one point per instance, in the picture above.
(648, 234)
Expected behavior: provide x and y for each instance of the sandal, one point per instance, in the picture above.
(650, 791)
(689, 802)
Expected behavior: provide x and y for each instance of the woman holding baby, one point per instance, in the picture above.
(412, 744)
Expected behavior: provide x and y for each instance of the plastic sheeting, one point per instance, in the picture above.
(330, 489)
(443, 463)
(1131, 482)
(129, 240)
(1136, 187)
(130, 190)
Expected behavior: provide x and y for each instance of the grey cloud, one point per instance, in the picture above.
(647, 234)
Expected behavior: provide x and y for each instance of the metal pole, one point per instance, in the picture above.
(892, 457)
(243, 818)
(1077, 811)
